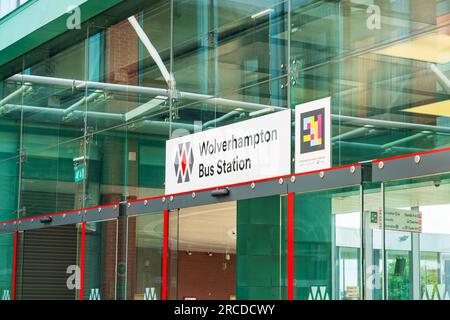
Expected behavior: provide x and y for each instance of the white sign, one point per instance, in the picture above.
(245, 151)
(352, 292)
(313, 136)
(403, 220)
(398, 220)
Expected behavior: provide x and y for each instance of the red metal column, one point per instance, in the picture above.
(82, 261)
(290, 246)
(165, 255)
(14, 270)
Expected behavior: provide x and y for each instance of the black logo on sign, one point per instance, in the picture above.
(184, 162)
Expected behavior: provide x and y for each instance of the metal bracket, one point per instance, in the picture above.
(220, 192)
(122, 208)
(46, 220)
(296, 65)
(23, 158)
(145, 206)
(32, 223)
(366, 169)
(97, 214)
(8, 227)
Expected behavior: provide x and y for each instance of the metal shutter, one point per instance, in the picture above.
(45, 254)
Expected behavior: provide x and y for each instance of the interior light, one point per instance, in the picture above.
(262, 13)
(440, 109)
(431, 48)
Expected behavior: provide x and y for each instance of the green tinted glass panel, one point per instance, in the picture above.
(48, 264)
(145, 241)
(416, 238)
(6, 265)
(100, 260)
(261, 248)
(327, 245)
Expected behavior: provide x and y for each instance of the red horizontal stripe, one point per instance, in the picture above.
(228, 186)
(182, 193)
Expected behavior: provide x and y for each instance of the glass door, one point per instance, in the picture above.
(7, 247)
(99, 260)
(227, 251)
(144, 257)
(417, 238)
(327, 237)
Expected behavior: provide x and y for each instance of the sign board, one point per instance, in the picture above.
(79, 173)
(352, 292)
(313, 135)
(374, 217)
(245, 151)
(403, 220)
(398, 220)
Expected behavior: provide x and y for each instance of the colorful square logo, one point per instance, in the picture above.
(312, 131)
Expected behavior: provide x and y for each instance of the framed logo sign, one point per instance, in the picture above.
(313, 135)
(244, 151)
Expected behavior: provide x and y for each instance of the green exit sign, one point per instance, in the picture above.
(374, 217)
(79, 173)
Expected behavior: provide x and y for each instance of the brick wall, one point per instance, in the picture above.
(109, 252)
(122, 54)
(204, 277)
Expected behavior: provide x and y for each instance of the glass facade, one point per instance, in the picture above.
(84, 120)
(6, 6)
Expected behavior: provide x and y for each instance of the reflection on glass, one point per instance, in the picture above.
(398, 275)
(348, 256)
(9, 171)
(384, 64)
(261, 248)
(6, 265)
(417, 240)
(6, 6)
(145, 240)
(373, 242)
(327, 245)
(226, 45)
(206, 257)
(100, 260)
